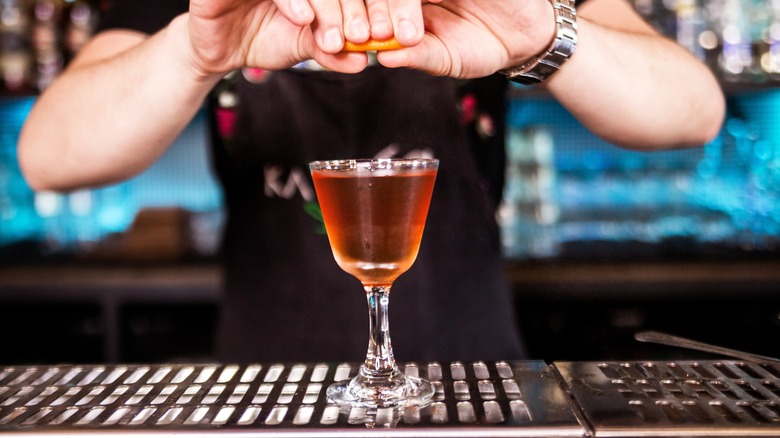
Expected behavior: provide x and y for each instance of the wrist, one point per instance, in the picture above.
(185, 54)
(557, 50)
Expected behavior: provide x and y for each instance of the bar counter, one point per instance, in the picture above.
(478, 399)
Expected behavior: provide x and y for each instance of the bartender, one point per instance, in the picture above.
(282, 92)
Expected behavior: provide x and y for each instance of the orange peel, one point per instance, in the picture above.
(372, 45)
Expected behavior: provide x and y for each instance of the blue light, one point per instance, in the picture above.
(181, 178)
(18, 221)
(726, 193)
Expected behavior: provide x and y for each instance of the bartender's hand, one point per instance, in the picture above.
(475, 38)
(227, 34)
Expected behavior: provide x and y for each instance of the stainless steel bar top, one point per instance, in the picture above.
(473, 399)
(681, 398)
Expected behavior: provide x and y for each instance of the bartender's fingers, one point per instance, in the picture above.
(328, 25)
(401, 19)
(299, 12)
(379, 18)
(356, 28)
(343, 62)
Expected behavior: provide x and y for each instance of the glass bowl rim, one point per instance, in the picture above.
(374, 164)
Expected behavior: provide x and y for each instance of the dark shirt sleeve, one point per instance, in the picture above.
(148, 16)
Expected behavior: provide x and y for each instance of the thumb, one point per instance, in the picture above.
(430, 56)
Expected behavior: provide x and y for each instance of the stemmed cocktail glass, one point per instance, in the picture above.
(374, 212)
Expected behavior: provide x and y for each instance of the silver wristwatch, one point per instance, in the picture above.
(543, 65)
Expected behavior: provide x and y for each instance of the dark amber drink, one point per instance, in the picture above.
(375, 219)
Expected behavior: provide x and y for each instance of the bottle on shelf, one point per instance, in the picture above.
(15, 54)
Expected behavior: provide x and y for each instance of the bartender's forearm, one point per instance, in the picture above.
(111, 114)
(637, 89)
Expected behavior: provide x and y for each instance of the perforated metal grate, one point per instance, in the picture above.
(614, 399)
(709, 398)
(478, 399)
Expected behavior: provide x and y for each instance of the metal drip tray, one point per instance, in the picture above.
(472, 399)
(521, 399)
(712, 398)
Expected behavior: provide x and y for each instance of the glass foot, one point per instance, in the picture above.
(396, 391)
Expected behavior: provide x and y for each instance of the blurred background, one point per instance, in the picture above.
(600, 242)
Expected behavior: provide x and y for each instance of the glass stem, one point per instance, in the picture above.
(379, 358)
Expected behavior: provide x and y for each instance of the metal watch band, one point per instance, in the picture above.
(543, 65)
